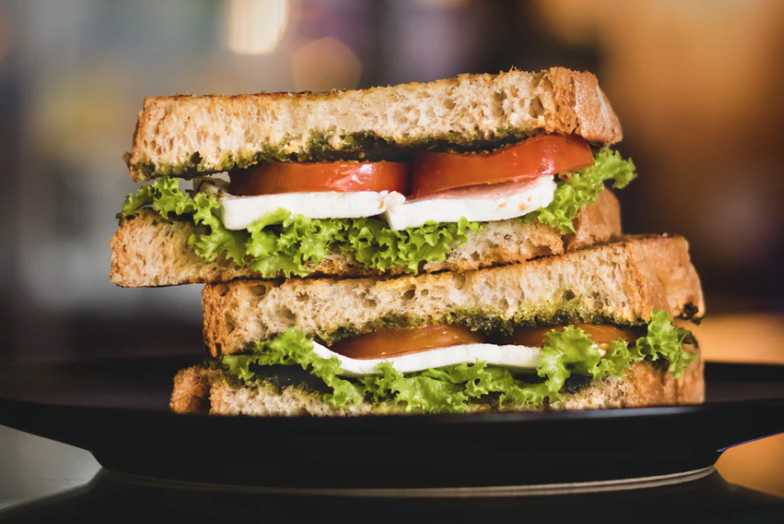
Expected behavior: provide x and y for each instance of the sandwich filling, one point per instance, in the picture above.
(285, 218)
(443, 368)
(476, 204)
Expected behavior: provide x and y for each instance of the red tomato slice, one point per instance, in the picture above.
(601, 334)
(392, 342)
(543, 155)
(278, 177)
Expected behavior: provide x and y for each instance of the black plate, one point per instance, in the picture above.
(118, 409)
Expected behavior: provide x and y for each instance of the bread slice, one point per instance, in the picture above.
(149, 250)
(190, 135)
(199, 389)
(621, 282)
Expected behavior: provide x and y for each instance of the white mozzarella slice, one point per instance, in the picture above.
(476, 204)
(521, 357)
(240, 212)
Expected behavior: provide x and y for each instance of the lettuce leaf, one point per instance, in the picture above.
(571, 351)
(282, 242)
(665, 341)
(450, 389)
(374, 245)
(583, 188)
(293, 348)
(565, 352)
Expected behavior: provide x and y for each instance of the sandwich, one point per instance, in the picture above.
(458, 174)
(589, 329)
(442, 247)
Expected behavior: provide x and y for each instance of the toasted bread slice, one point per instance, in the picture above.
(200, 389)
(190, 135)
(149, 250)
(622, 282)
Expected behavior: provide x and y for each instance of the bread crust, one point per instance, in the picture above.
(198, 389)
(622, 282)
(149, 250)
(185, 135)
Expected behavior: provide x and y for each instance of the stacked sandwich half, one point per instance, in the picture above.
(444, 247)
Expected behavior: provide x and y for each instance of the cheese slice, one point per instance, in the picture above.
(519, 357)
(475, 204)
(241, 212)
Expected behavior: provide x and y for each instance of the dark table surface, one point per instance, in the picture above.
(112, 497)
(121, 497)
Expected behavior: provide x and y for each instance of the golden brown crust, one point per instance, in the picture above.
(191, 390)
(678, 275)
(646, 384)
(691, 385)
(149, 250)
(182, 135)
(596, 223)
(619, 282)
(592, 109)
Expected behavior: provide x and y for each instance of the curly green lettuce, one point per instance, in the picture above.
(280, 242)
(449, 389)
(293, 348)
(583, 188)
(665, 341)
(571, 351)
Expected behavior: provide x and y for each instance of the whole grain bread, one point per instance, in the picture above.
(199, 389)
(187, 135)
(621, 282)
(149, 250)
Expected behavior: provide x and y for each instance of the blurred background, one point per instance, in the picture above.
(696, 85)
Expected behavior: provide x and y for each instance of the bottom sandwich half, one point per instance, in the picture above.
(597, 328)
(201, 389)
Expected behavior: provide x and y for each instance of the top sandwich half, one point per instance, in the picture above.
(384, 180)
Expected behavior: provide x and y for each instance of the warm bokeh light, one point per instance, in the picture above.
(255, 27)
(324, 64)
(6, 36)
(725, 338)
(756, 465)
(448, 4)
